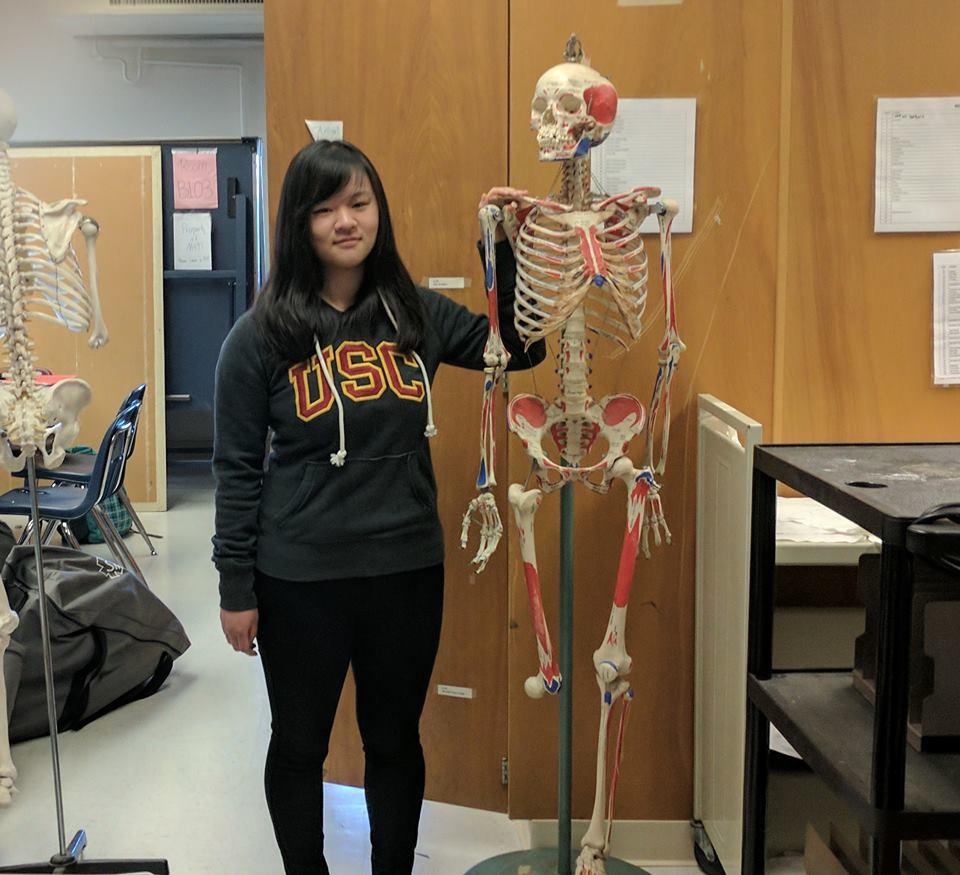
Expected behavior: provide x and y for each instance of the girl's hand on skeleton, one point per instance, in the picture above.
(240, 628)
(505, 197)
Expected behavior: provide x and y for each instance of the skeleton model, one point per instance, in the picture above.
(39, 278)
(581, 267)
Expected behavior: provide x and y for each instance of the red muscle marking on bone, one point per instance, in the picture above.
(590, 249)
(619, 407)
(628, 560)
(530, 408)
(559, 434)
(539, 623)
(601, 102)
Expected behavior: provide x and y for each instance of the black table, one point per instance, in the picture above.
(861, 751)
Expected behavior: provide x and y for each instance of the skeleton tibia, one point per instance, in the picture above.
(594, 845)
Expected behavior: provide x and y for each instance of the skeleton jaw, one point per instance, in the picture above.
(557, 143)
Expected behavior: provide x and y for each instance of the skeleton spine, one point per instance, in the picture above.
(575, 182)
(19, 347)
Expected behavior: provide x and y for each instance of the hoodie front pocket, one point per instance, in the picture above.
(366, 498)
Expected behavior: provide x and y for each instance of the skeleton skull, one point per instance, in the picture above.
(572, 111)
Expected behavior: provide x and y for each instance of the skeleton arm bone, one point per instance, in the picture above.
(496, 358)
(98, 336)
(670, 347)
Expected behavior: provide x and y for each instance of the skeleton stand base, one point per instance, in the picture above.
(67, 860)
(543, 861)
(561, 860)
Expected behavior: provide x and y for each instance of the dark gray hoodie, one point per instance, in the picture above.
(306, 517)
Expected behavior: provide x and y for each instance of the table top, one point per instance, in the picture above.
(881, 487)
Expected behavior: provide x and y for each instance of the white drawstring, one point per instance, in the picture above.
(431, 429)
(340, 457)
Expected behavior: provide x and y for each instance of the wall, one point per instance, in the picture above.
(64, 91)
(854, 341)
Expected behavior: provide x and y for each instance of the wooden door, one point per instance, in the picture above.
(122, 188)
(421, 88)
(726, 55)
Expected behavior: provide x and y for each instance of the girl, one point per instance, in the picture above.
(333, 555)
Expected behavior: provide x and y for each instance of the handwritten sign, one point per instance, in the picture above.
(194, 179)
(192, 241)
(324, 130)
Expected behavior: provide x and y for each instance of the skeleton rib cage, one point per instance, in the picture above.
(550, 254)
(52, 289)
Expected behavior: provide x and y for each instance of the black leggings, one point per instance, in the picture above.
(388, 629)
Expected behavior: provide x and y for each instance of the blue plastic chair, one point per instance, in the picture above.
(76, 468)
(58, 504)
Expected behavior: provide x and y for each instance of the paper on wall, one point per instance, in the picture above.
(652, 143)
(324, 130)
(917, 179)
(946, 318)
(194, 179)
(192, 241)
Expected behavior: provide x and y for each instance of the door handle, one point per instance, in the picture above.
(179, 398)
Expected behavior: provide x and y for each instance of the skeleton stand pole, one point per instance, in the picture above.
(68, 858)
(565, 716)
(62, 857)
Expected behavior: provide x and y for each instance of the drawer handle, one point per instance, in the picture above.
(178, 398)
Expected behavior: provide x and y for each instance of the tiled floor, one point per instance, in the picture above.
(179, 775)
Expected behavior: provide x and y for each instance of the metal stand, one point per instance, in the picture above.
(68, 859)
(562, 859)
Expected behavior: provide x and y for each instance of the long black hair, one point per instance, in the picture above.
(289, 310)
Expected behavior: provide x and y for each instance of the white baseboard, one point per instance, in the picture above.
(643, 842)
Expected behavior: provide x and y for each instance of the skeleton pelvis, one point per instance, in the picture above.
(44, 420)
(616, 418)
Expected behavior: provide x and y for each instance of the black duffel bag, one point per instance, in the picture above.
(112, 640)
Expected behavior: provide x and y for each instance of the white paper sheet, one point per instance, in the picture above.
(324, 130)
(192, 241)
(652, 143)
(805, 520)
(946, 318)
(918, 164)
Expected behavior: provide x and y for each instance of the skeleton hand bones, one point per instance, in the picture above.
(497, 207)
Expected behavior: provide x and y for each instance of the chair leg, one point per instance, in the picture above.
(67, 534)
(115, 542)
(49, 528)
(26, 533)
(125, 501)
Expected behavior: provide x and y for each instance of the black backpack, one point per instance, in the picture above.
(112, 640)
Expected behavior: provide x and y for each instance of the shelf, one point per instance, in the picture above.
(881, 487)
(831, 727)
(199, 274)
